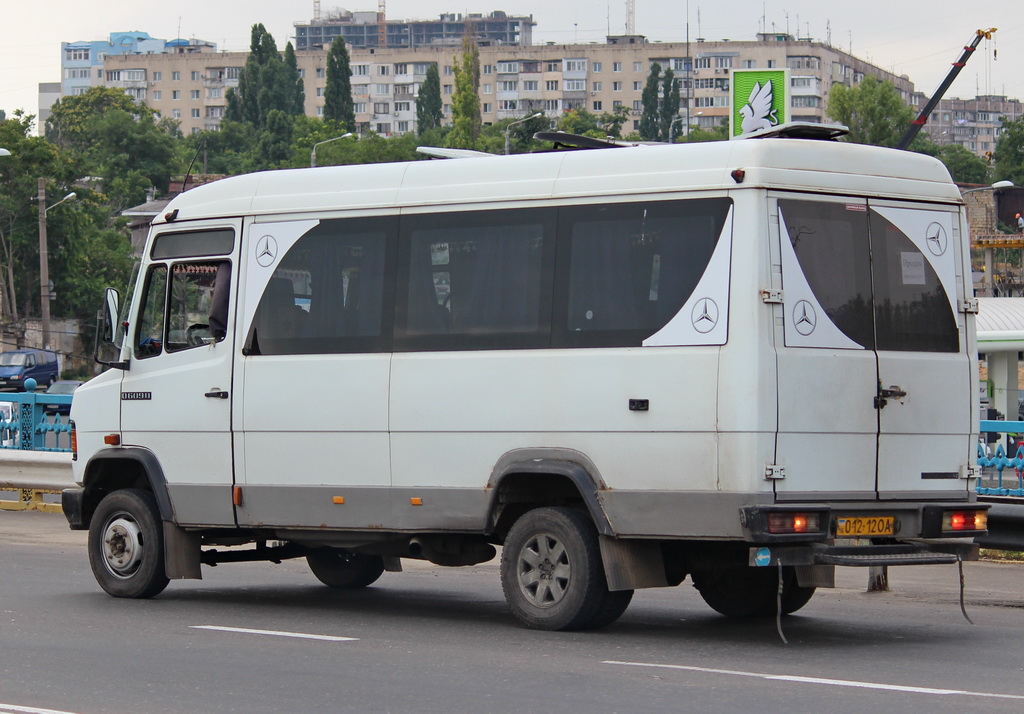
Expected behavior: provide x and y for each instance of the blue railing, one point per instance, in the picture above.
(1000, 461)
(25, 425)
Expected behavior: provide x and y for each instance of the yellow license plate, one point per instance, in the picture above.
(865, 526)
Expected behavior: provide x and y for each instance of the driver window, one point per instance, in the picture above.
(193, 298)
(149, 337)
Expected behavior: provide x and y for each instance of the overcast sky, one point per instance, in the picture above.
(918, 39)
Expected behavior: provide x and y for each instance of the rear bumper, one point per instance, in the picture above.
(908, 553)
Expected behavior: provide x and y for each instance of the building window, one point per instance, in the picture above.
(597, 106)
(638, 105)
(403, 106)
(319, 91)
(447, 70)
(381, 107)
(488, 89)
(638, 66)
(596, 87)
(359, 108)
(403, 127)
(553, 66)
(723, 62)
(77, 55)
(401, 68)
(195, 113)
(157, 95)
(702, 63)
(487, 108)
(508, 67)
(382, 89)
(508, 105)
(551, 105)
(135, 75)
(638, 86)
(384, 70)
(749, 64)
(384, 128)
(596, 67)
(510, 86)
(551, 85)
(575, 85)
(616, 86)
(176, 94)
(575, 65)
(321, 73)
(531, 85)
(360, 70)
(158, 76)
(193, 94)
(175, 114)
(175, 76)
(360, 89)
(616, 66)
(447, 89)
(488, 69)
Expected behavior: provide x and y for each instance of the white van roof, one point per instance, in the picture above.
(793, 164)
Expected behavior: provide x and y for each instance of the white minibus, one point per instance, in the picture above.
(743, 362)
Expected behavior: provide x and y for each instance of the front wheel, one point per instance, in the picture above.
(345, 571)
(126, 545)
(552, 574)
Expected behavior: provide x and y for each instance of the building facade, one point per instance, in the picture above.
(515, 81)
(362, 30)
(82, 62)
(973, 123)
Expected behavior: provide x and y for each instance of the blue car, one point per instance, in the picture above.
(18, 365)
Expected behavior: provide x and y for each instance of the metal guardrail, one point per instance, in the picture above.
(1000, 461)
(25, 425)
(30, 475)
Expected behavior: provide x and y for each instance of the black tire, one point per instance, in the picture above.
(749, 591)
(345, 571)
(126, 545)
(552, 574)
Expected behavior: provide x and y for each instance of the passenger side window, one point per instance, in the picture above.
(328, 294)
(632, 266)
(478, 279)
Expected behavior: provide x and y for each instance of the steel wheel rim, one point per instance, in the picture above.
(544, 571)
(122, 546)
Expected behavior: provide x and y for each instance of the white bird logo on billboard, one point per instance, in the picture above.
(758, 113)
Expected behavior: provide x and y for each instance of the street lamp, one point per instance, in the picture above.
(987, 282)
(312, 154)
(44, 260)
(508, 128)
(4, 152)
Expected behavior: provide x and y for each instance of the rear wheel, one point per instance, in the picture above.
(552, 574)
(749, 591)
(126, 545)
(343, 570)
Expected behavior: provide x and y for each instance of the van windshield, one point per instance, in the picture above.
(12, 359)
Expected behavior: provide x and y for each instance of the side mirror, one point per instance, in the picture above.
(110, 335)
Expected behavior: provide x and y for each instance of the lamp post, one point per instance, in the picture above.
(312, 154)
(44, 260)
(4, 152)
(987, 282)
(508, 128)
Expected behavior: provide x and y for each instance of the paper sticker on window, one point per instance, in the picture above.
(913, 268)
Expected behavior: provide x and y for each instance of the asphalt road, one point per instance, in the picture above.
(259, 637)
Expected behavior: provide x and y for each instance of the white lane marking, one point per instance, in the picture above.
(275, 633)
(820, 680)
(11, 708)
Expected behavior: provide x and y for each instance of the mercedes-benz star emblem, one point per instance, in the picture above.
(705, 315)
(804, 318)
(935, 238)
(266, 251)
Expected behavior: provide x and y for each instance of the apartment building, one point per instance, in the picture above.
(515, 81)
(362, 30)
(972, 123)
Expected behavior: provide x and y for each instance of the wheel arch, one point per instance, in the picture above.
(524, 479)
(112, 469)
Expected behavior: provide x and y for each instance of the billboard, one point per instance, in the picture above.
(760, 100)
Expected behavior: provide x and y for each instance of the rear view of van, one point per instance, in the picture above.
(18, 365)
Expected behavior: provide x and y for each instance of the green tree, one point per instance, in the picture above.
(873, 110)
(338, 104)
(1008, 158)
(428, 101)
(612, 122)
(266, 82)
(274, 142)
(669, 104)
(964, 165)
(299, 97)
(697, 134)
(650, 114)
(465, 99)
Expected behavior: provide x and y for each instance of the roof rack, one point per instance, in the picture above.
(799, 130)
(564, 140)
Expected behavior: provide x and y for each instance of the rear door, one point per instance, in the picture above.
(874, 375)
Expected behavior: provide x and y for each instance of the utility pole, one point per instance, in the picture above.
(44, 267)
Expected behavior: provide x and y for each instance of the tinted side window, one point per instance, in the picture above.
(912, 312)
(831, 244)
(330, 292)
(477, 280)
(628, 268)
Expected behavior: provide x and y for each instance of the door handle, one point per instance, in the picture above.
(217, 394)
(884, 395)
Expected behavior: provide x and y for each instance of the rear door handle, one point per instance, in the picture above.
(217, 394)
